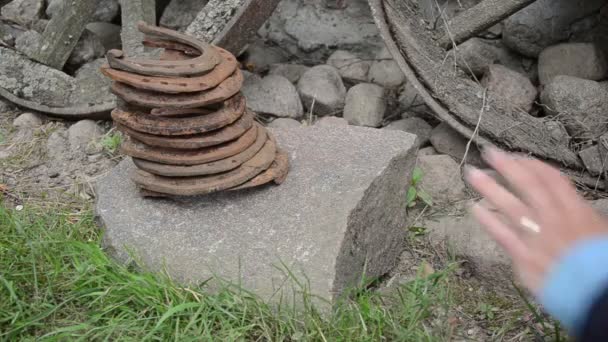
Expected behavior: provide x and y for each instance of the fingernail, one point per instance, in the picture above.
(490, 153)
(471, 172)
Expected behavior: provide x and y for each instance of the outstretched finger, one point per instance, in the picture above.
(502, 199)
(562, 190)
(526, 182)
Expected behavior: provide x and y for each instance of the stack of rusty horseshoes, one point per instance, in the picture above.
(186, 122)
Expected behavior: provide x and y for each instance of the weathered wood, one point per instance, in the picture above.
(336, 4)
(231, 24)
(62, 33)
(455, 98)
(212, 19)
(479, 18)
(442, 113)
(132, 12)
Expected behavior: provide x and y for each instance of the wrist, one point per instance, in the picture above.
(576, 281)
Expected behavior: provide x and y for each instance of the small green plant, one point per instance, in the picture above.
(415, 193)
(111, 141)
(487, 311)
(418, 231)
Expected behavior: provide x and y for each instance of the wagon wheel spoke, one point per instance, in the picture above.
(479, 18)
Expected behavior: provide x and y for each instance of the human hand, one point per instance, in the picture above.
(539, 224)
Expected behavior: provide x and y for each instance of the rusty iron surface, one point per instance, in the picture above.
(173, 55)
(207, 58)
(192, 186)
(187, 127)
(177, 85)
(211, 168)
(183, 112)
(192, 142)
(138, 150)
(277, 173)
(151, 194)
(149, 99)
(230, 111)
(186, 50)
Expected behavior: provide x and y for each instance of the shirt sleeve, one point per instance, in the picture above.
(594, 329)
(576, 283)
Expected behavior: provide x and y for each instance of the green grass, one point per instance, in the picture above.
(111, 141)
(56, 283)
(415, 193)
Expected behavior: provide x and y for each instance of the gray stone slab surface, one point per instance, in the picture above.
(340, 213)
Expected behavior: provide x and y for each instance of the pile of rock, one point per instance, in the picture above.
(187, 126)
(553, 69)
(357, 89)
(347, 90)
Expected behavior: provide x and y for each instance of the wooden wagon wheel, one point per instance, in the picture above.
(453, 96)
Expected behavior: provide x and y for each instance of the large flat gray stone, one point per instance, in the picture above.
(340, 213)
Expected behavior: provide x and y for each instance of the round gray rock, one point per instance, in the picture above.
(516, 89)
(365, 105)
(273, 95)
(108, 34)
(582, 60)
(88, 48)
(83, 133)
(581, 105)
(292, 72)
(544, 23)
(91, 85)
(260, 57)
(410, 99)
(441, 178)
(250, 77)
(385, 71)
(284, 123)
(23, 12)
(27, 121)
(322, 90)
(427, 151)
(592, 160)
(415, 126)
(447, 141)
(350, 67)
(476, 55)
